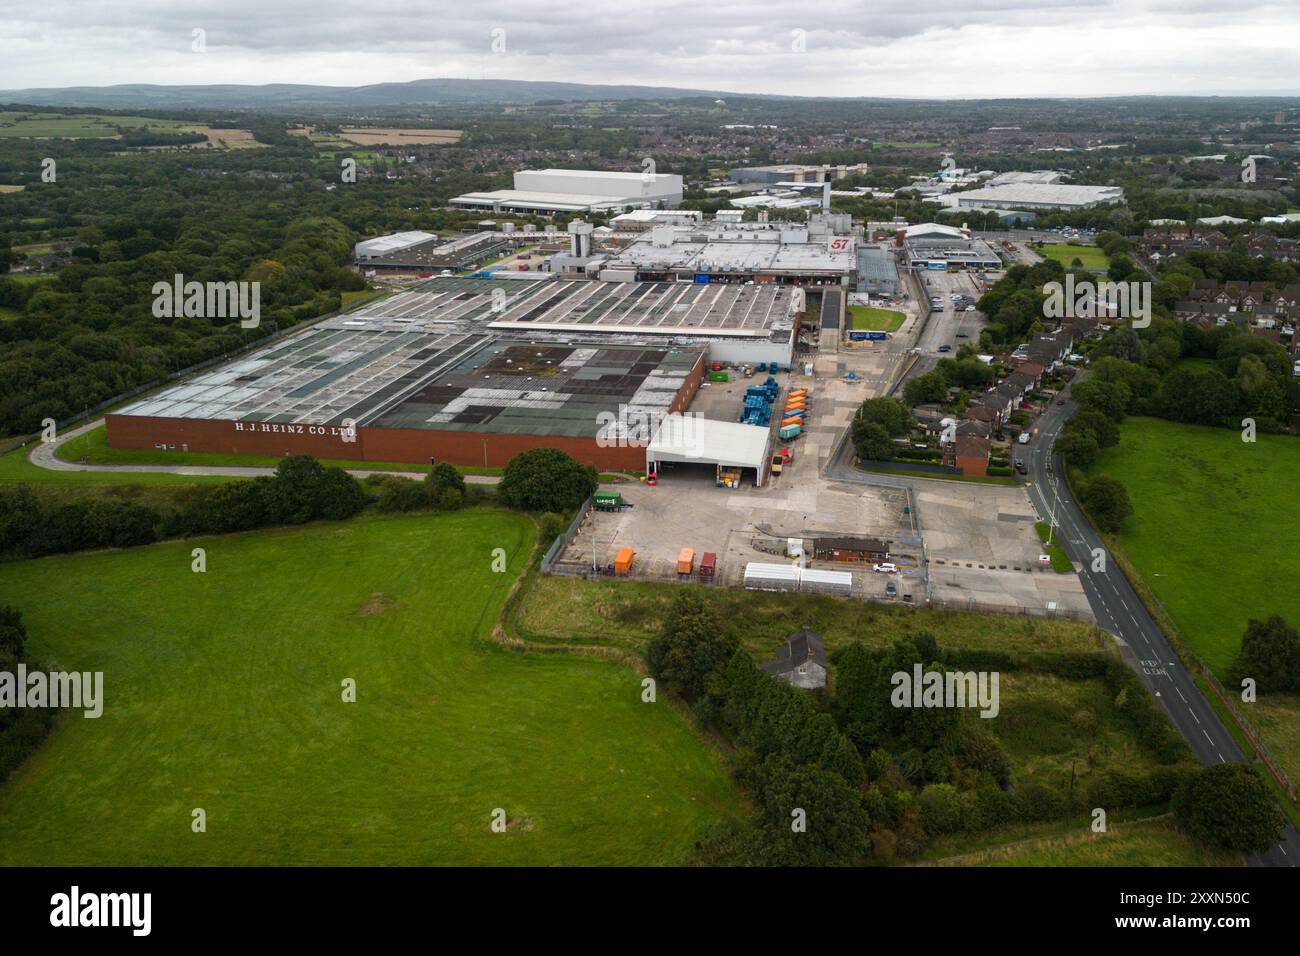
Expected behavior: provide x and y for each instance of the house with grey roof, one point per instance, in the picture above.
(802, 661)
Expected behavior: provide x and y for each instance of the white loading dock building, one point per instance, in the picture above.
(578, 191)
(695, 440)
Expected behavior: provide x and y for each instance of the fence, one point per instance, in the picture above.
(1012, 610)
(564, 540)
(906, 464)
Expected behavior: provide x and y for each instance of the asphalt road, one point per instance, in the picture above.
(1119, 610)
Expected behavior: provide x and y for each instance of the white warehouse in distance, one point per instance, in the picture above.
(578, 191)
(1035, 195)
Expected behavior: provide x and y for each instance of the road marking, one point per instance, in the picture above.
(1207, 734)
(1193, 713)
(1180, 694)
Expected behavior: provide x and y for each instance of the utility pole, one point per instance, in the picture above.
(1056, 499)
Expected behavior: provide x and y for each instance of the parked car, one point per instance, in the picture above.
(1060, 401)
(1021, 467)
(945, 347)
(891, 589)
(885, 568)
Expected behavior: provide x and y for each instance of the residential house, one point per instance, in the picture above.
(971, 454)
(802, 661)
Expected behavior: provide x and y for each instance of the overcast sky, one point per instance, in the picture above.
(935, 48)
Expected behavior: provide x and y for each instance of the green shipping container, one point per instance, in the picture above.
(719, 377)
(608, 500)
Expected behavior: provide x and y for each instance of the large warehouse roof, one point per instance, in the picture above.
(579, 190)
(431, 379)
(1034, 195)
(581, 306)
(544, 202)
(381, 245)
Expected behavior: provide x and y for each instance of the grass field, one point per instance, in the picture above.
(627, 614)
(15, 125)
(1153, 842)
(1093, 259)
(1061, 562)
(92, 448)
(875, 320)
(16, 469)
(1214, 526)
(222, 691)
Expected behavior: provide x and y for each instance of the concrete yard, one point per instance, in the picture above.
(687, 510)
(983, 549)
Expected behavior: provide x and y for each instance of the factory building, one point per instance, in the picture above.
(640, 220)
(794, 173)
(877, 271)
(404, 252)
(820, 252)
(936, 247)
(419, 396)
(387, 245)
(474, 371)
(578, 191)
(1036, 195)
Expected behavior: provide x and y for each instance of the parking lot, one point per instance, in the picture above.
(947, 325)
(983, 549)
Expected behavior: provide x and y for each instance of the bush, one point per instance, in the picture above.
(546, 479)
(553, 525)
(1106, 501)
(1228, 805)
(690, 646)
(401, 495)
(1269, 655)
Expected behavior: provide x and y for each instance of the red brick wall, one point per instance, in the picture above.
(413, 445)
(372, 444)
(973, 465)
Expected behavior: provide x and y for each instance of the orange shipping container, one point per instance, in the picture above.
(623, 562)
(791, 421)
(686, 561)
